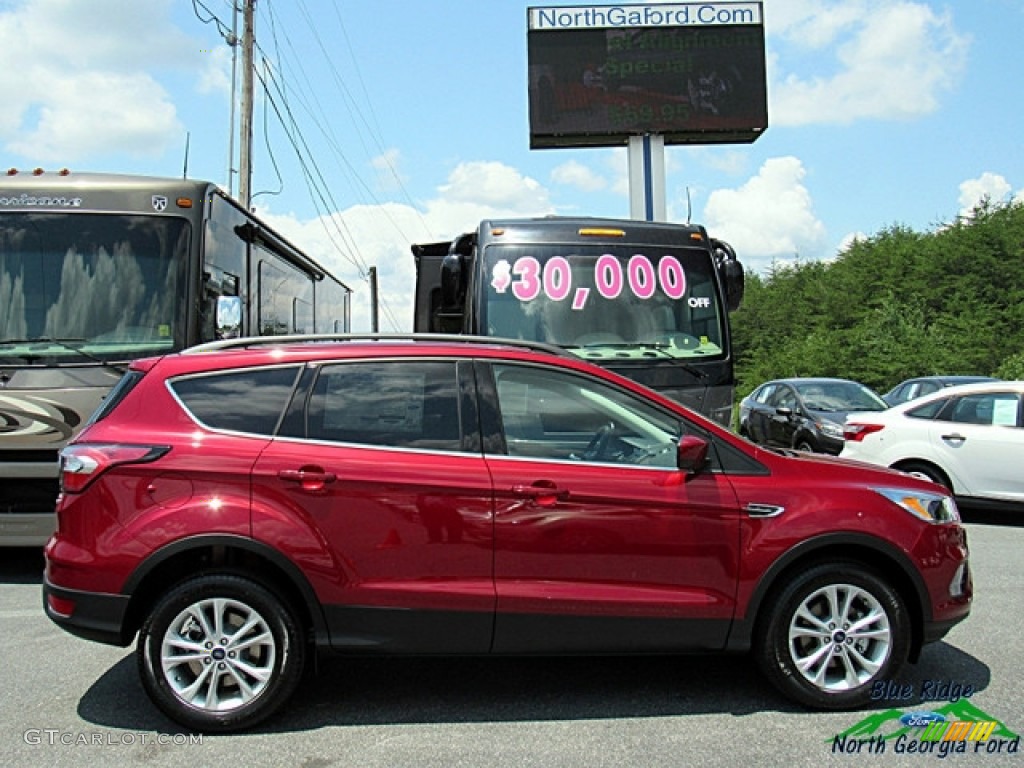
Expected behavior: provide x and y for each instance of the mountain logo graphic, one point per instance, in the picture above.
(948, 721)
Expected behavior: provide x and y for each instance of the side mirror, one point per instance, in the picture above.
(784, 411)
(691, 454)
(452, 280)
(455, 268)
(732, 273)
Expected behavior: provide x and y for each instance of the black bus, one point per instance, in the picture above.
(649, 300)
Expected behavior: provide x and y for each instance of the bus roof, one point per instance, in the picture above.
(67, 191)
(573, 229)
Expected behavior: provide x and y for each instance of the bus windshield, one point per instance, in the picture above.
(76, 287)
(604, 299)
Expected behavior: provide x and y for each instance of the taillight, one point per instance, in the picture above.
(857, 432)
(81, 464)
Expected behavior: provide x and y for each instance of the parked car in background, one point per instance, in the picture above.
(969, 438)
(925, 385)
(239, 506)
(804, 414)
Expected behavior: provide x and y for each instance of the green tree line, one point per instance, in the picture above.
(892, 306)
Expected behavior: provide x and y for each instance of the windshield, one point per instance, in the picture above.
(631, 301)
(839, 397)
(75, 287)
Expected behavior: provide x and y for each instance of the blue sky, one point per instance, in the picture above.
(411, 118)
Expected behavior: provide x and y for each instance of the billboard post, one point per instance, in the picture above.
(646, 156)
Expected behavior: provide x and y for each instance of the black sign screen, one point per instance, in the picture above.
(693, 85)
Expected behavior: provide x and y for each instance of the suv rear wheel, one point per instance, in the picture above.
(220, 652)
(831, 633)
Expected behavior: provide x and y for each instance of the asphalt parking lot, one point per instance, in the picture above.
(68, 702)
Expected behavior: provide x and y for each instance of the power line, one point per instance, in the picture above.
(212, 18)
(279, 91)
(359, 120)
(324, 203)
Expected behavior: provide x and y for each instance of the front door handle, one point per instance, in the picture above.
(544, 493)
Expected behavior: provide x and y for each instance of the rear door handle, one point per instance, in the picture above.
(956, 437)
(310, 478)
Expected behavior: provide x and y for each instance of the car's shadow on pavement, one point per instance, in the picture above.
(396, 691)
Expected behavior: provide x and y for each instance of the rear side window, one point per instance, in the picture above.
(928, 410)
(398, 404)
(116, 395)
(998, 409)
(240, 401)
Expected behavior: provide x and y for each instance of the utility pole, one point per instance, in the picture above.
(245, 142)
(233, 42)
(374, 322)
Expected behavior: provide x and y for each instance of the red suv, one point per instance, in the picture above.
(242, 505)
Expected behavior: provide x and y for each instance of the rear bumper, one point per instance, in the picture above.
(94, 616)
(936, 630)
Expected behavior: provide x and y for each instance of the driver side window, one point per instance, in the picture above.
(549, 414)
(785, 398)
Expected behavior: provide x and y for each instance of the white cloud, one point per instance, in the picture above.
(86, 115)
(79, 79)
(770, 216)
(989, 186)
(496, 185)
(576, 174)
(215, 73)
(847, 242)
(893, 60)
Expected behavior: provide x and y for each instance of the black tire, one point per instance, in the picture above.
(854, 658)
(803, 444)
(927, 471)
(233, 678)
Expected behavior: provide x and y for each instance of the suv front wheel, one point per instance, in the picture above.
(831, 633)
(220, 652)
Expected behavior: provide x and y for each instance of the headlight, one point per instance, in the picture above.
(831, 429)
(932, 507)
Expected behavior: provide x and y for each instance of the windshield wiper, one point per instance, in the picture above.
(656, 346)
(68, 344)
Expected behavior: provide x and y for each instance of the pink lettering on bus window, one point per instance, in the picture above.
(557, 278)
(608, 276)
(554, 280)
(501, 276)
(641, 277)
(527, 288)
(579, 299)
(672, 277)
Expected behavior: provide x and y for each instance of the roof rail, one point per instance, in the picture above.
(248, 342)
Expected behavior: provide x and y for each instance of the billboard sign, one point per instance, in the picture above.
(693, 73)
